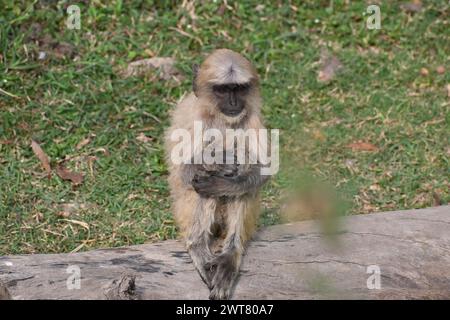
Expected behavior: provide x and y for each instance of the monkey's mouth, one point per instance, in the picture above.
(232, 112)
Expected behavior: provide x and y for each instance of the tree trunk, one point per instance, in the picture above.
(392, 255)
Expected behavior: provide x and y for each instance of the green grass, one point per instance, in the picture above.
(379, 97)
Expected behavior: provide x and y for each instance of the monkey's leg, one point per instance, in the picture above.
(199, 237)
(225, 266)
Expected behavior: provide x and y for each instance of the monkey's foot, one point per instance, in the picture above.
(223, 269)
(200, 258)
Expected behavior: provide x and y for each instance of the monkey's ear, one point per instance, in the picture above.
(195, 68)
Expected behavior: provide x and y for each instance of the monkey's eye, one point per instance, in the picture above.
(220, 89)
(243, 87)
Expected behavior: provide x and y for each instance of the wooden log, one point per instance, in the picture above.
(410, 249)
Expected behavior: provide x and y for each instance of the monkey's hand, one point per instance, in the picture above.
(214, 185)
(200, 172)
(219, 184)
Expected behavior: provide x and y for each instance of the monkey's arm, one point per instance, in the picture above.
(221, 183)
(192, 170)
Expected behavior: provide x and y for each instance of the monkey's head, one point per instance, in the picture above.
(228, 84)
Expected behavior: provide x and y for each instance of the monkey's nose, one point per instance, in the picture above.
(233, 99)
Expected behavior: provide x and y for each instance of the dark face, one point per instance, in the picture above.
(231, 98)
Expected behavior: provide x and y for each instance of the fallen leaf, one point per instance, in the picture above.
(188, 35)
(369, 208)
(6, 142)
(260, 8)
(440, 69)
(79, 247)
(24, 126)
(143, 138)
(421, 199)
(132, 196)
(103, 150)
(90, 162)
(82, 143)
(371, 50)
(351, 165)
(65, 174)
(63, 214)
(424, 72)
(221, 9)
(330, 65)
(80, 223)
(331, 122)
(149, 128)
(165, 66)
(413, 6)
(39, 217)
(43, 158)
(362, 146)
(374, 50)
(189, 6)
(318, 135)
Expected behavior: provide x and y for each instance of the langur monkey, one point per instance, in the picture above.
(216, 205)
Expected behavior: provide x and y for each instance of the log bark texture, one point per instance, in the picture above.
(410, 249)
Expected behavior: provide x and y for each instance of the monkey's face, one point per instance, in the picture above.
(231, 98)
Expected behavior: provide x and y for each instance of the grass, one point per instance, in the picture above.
(77, 92)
